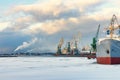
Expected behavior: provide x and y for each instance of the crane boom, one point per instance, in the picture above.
(97, 32)
(95, 39)
(61, 42)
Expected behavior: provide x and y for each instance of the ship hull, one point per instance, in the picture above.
(108, 60)
(108, 52)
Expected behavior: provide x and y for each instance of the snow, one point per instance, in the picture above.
(56, 68)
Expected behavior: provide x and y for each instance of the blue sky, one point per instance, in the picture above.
(15, 2)
(5, 4)
(37, 25)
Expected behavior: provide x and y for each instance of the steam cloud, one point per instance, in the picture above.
(26, 44)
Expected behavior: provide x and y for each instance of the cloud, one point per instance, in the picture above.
(55, 9)
(46, 27)
(4, 25)
(50, 16)
(48, 11)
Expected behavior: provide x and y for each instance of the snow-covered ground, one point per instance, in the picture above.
(56, 68)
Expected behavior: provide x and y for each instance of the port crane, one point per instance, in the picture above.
(113, 26)
(60, 45)
(95, 39)
(74, 42)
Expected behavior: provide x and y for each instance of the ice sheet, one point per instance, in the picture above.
(56, 68)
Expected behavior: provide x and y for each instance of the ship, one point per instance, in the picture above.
(108, 48)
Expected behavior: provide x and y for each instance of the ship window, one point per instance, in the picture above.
(107, 51)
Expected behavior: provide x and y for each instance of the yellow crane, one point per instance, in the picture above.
(75, 40)
(60, 45)
(113, 26)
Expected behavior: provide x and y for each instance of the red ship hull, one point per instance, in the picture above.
(108, 60)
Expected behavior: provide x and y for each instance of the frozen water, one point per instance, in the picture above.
(56, 68)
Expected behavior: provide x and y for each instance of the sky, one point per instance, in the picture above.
(38, 25)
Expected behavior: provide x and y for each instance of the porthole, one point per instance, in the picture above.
(107, 51)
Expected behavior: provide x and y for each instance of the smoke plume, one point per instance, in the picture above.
(26, 44)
